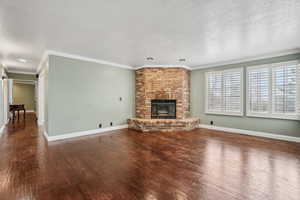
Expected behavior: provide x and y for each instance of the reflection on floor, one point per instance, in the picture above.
(200, 164)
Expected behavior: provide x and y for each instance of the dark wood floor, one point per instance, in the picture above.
(200, 164)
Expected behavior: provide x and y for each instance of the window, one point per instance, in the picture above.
(224, 92)
(272, 90)
(258, 90)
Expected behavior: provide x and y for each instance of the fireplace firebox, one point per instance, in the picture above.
(163, 109)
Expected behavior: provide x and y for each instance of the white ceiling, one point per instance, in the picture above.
(126, 32)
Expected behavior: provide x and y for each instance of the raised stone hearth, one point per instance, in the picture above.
(146, 125)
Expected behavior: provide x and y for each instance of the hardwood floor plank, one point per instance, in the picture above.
(194, 165)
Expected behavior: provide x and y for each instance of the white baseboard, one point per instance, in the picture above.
(100, 131)
(28, 111)
(46, 135)
(2, 129)
(253, 133)
(41, 122)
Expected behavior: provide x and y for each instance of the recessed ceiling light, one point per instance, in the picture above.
(22, 60)
(181, 60)
(149, 58)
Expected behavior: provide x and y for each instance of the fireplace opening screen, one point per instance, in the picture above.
(163, 109)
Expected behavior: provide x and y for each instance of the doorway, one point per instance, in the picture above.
(22, 98)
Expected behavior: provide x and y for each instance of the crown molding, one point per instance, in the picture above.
(78, 57)
(43, 59)
(20, 72)
(216, 64)
(252, 58)
(4, 66)
(29, 82)
(163, 66)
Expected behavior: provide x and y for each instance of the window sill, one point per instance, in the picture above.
(288, 117)
(225, 114)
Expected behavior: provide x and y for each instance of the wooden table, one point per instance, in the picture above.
(17, 107)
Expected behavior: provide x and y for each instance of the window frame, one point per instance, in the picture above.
(270, 114)
(241, 113)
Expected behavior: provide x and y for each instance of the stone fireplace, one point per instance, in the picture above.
(162, 100)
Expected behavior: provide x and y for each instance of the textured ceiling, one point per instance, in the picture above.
(126, 32)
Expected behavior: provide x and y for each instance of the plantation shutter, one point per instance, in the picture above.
(224, 92)
(232, 91)
(274, 90)
(214, 92)
(298, 91)
(258, 90)
(284, 90)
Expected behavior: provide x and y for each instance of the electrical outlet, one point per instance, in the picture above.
(100, 126)
(211, 122)
(111, 123)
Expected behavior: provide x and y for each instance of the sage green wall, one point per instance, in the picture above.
(276, 126)
(21, 76)
(83, 94)
(24, 94)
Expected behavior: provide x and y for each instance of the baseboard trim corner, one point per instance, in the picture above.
(252, 133)
(2, 129)
(40, 123)
(27, 111)
(100, 131)
(46, 135)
